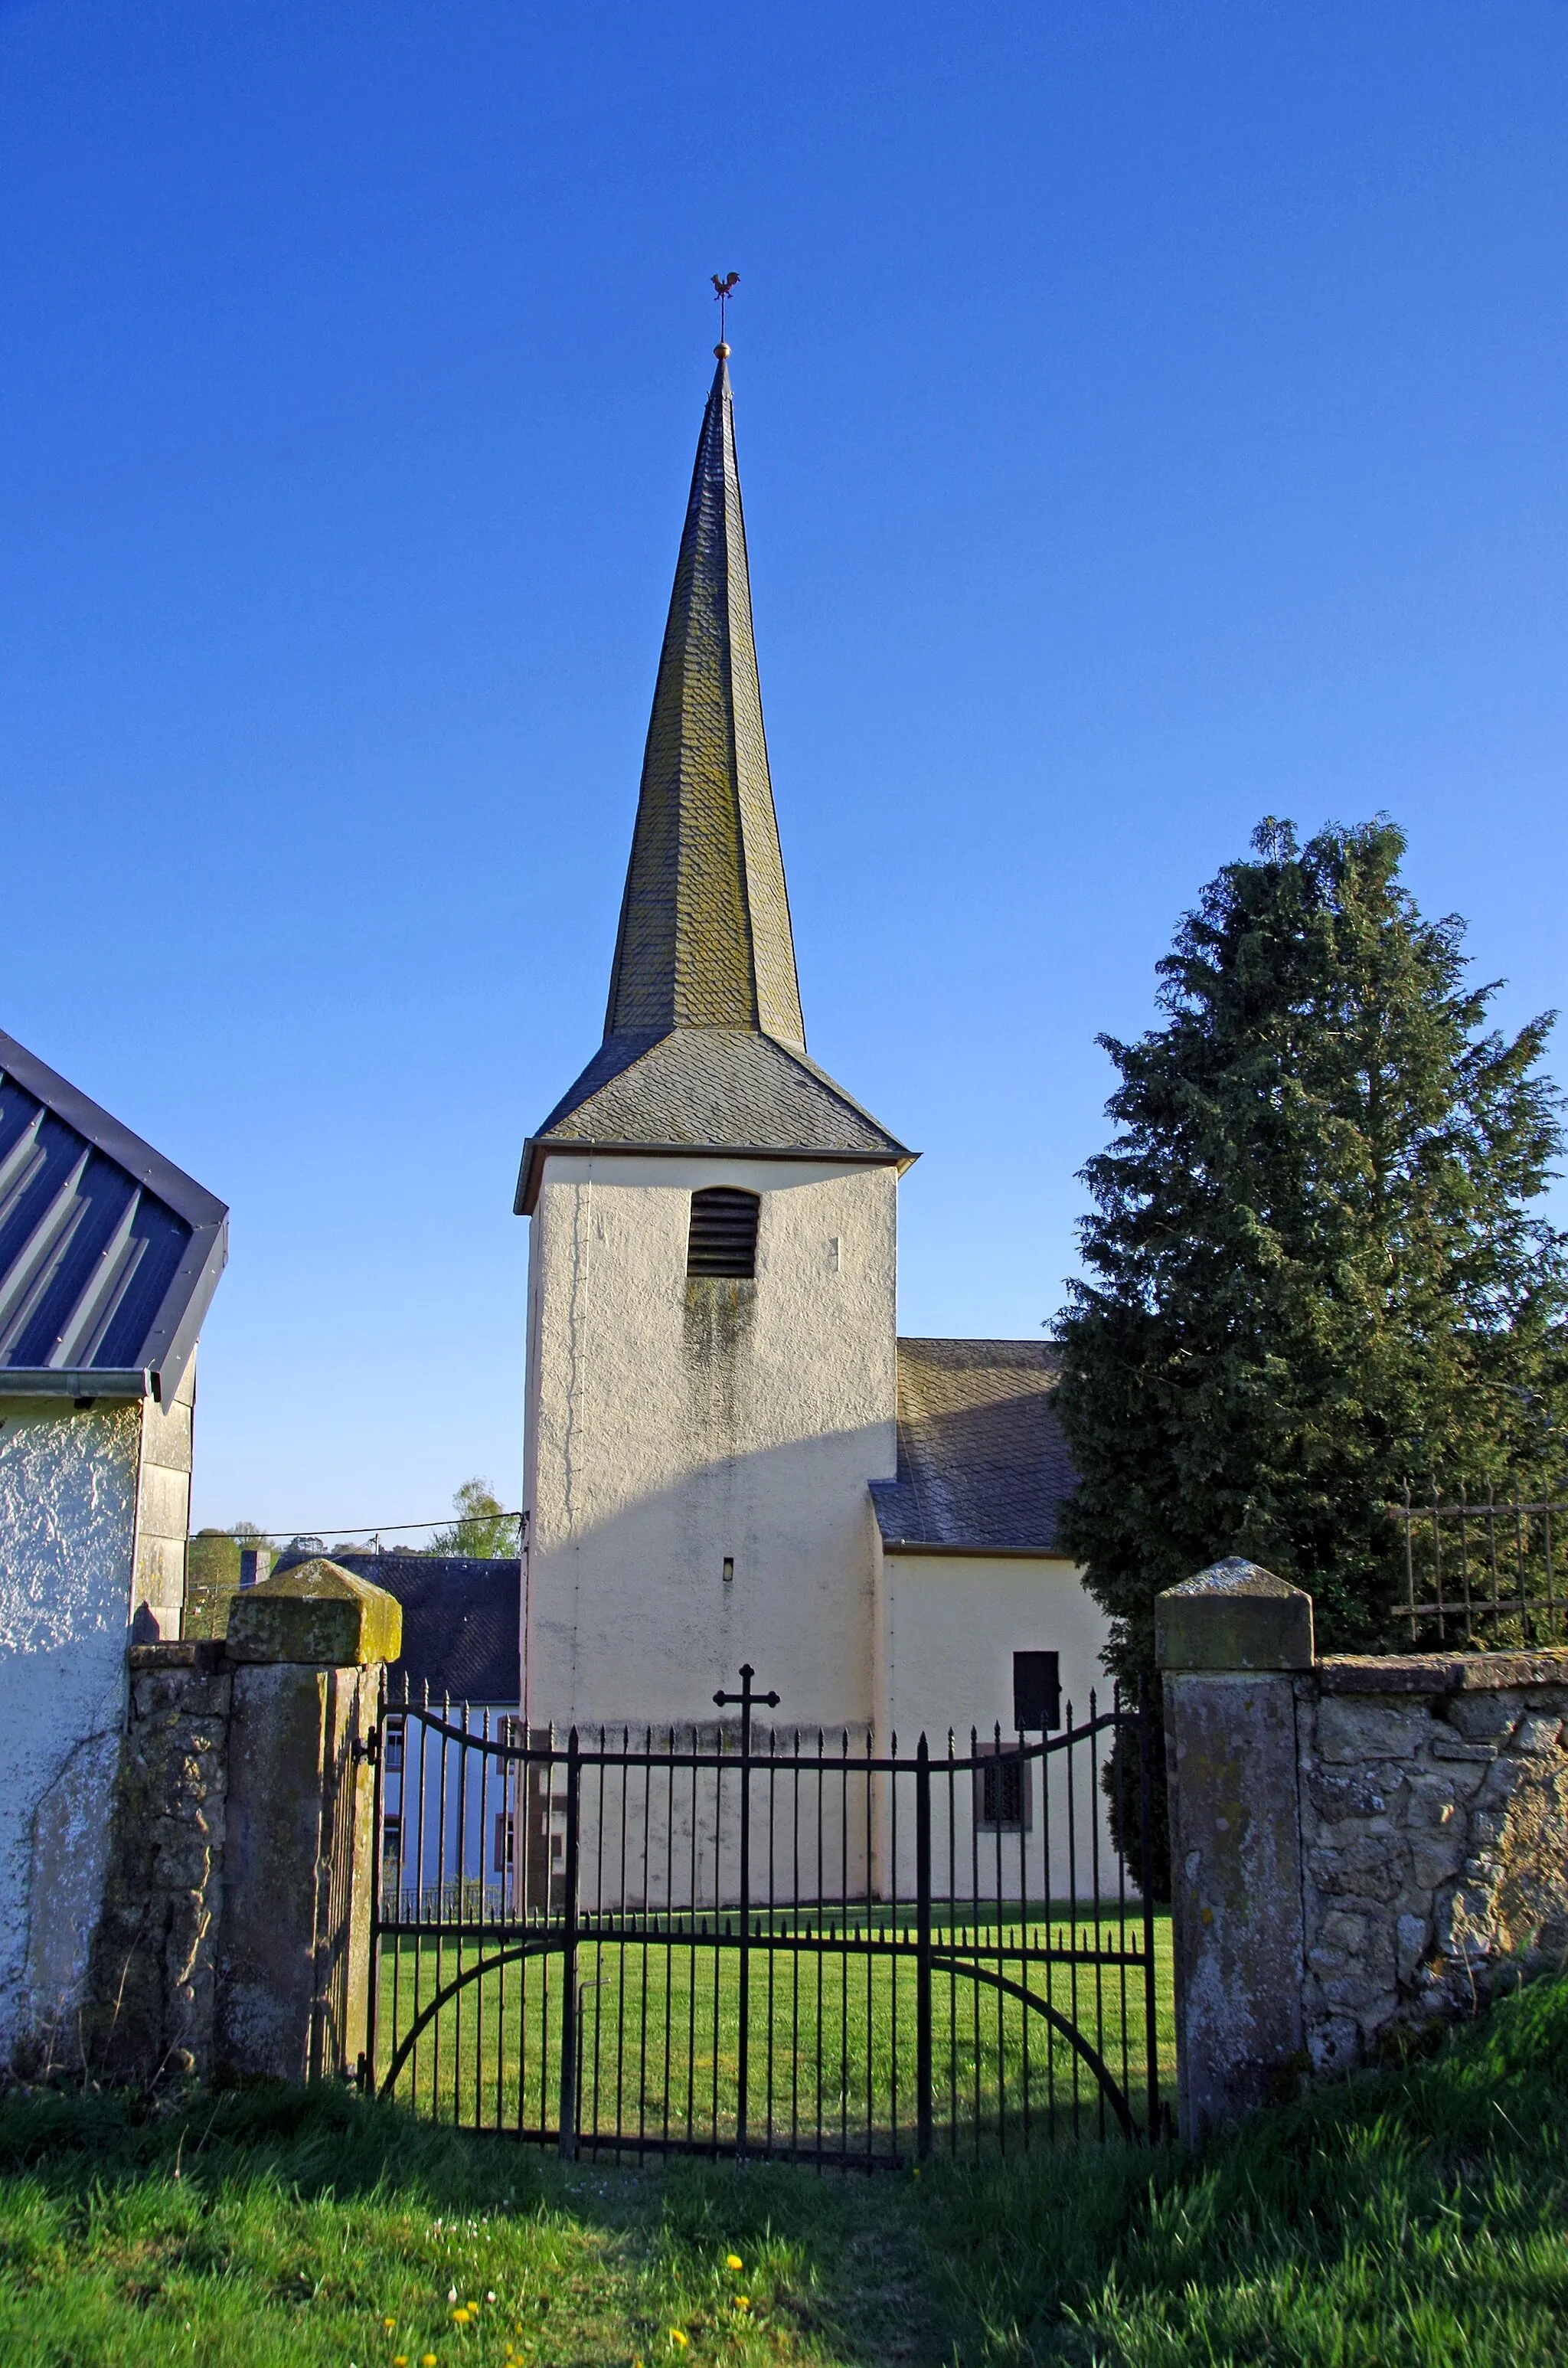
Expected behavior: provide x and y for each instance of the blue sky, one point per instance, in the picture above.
(1151, 417)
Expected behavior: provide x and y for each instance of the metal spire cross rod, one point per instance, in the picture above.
(722, 291)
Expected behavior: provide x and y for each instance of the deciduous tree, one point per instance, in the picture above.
(482, 1527)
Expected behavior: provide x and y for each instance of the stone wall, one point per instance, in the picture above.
(236, 1923)
(1433, 1813)
(151, 1989)
(1359, 1846)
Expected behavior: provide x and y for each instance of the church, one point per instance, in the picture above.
(730, 1454)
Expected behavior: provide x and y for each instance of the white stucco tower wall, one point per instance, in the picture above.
(677, 1424)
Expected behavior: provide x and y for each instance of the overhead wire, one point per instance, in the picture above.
(360, 1528)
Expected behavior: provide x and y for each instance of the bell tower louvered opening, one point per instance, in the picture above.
(724, 1233)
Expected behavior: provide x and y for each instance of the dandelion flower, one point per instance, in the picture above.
(426, 2360)
(400, 2360)
(742, 2302)
(389, 2323)
(733, 2261)
(679, 2338)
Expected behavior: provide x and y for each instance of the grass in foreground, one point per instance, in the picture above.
(1419, 2215)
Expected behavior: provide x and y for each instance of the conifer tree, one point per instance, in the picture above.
(1316, 1265)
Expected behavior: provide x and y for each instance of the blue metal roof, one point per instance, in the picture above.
(109, 1254)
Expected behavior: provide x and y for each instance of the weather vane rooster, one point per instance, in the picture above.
(722, 291)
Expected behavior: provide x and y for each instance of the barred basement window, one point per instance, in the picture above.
(1004, 1790)
(723, 1231)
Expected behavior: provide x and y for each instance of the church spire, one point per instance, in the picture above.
(704, 1051)
(705, 938)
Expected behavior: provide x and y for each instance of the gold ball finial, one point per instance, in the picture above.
(723, 352)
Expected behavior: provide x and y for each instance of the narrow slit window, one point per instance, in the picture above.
(724, 1233)
(1037, 1691)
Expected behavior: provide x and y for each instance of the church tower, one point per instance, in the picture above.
(711, 1355)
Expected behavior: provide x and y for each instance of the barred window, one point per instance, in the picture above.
(723, 1231)
(1003, 1795)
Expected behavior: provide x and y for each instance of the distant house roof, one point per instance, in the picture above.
(109, 1254)
(461, 1623)
(983, 1465)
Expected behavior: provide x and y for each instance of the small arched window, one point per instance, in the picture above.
(723, 1231)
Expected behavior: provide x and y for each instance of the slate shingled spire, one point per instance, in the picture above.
(704, 1047)
(705, 938)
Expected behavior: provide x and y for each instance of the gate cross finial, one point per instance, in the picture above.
(745, 1697)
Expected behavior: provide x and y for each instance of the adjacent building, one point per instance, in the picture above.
(109, 1256)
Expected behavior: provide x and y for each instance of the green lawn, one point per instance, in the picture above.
(1418, 2215)
(832, 2039)
(1408, 2217)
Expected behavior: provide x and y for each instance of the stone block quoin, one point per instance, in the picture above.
(319, 1614)
(222, 1943)
(1234, 1616)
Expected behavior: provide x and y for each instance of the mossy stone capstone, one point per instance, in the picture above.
(316, 1613)
(1234, 1615)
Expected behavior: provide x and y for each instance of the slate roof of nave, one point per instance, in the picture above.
(983, 1464)
(704, 1044)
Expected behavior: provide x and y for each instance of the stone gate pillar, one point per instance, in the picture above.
(306, 1649)
(1229, 1643)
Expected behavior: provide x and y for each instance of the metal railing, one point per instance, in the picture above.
(1485, 1570)
(727, 1939)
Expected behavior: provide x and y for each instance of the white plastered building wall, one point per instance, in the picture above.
(94, 1509)
(674, 1426)
(949, 1625)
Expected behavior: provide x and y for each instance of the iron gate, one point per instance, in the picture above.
(729, 1940)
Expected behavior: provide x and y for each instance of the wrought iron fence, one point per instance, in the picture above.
(1487, 1571)
(727, 1939)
